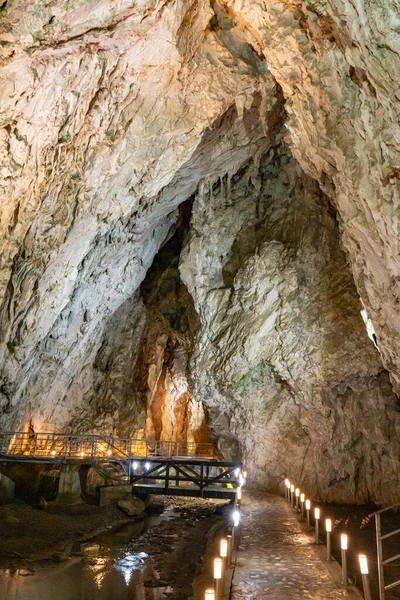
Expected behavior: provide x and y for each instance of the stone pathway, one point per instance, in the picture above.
(276, 560)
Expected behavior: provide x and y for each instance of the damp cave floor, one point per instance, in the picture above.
(278, 560)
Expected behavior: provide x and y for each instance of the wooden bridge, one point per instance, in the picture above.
(151, 467)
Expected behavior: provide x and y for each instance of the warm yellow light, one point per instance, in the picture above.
(109, 452)
(363, 564)
(223, 548)
(344, 541)
(317, 513)
(210, 595)
(245, 474)
(239, 493)
(308, 504)
(286, 481)
(288, 484)
(302, 497)
(292, 488)
(53, 452)
(217, 568)
(328, 525)
(297, 492)
(82, 453)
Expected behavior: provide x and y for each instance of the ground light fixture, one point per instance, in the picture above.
(317, 514)
(344, 542)
(363, 564)
(328, 529)
(302, 500)
(209, 595)
(236, 518)
(217, 568)
(297, 494)
(223, 548)
(308, 508)
(239, 494)
(241, 480)
(365, 576)
(292, 494)
(236, 521)
(218, 578)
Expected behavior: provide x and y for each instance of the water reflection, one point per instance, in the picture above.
(118, 572)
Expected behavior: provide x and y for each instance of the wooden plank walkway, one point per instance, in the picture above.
(277, 559)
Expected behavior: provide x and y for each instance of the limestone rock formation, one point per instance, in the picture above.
(279, 121)
(291, 380)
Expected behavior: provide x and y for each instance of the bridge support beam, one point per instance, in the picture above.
(69, 487)
(7, 489)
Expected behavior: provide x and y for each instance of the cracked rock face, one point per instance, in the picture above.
(291, 381)
(278, 120)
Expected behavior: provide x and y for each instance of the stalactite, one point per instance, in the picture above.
(228, 190)
(222, 189)
(201, 194)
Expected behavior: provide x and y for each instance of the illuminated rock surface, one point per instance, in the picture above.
(112, 115)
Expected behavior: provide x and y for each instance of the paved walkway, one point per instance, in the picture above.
(276, 560)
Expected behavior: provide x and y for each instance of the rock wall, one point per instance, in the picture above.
(107, 119)
(283, 361)
(337, 63)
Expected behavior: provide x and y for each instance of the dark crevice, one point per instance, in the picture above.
(360, 78)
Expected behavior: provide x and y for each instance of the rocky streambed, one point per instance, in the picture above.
(46, 555)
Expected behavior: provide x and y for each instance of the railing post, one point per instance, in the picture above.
(343, 548)
(167, 477)
(130, 471)
(381, 581)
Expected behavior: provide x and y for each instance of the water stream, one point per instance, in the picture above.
(117, 571)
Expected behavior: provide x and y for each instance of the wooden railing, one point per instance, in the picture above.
(64, 445)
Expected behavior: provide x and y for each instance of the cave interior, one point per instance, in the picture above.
(199, 231)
